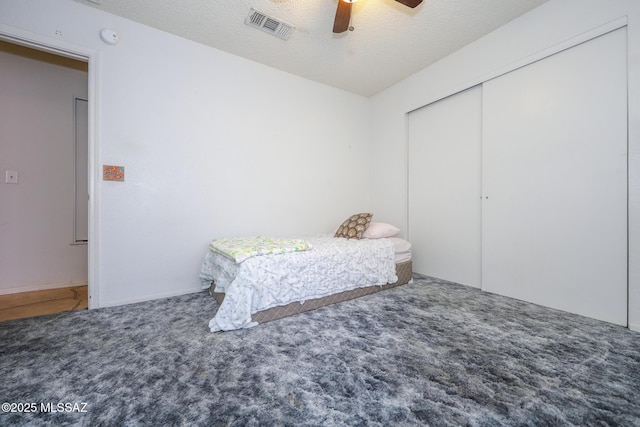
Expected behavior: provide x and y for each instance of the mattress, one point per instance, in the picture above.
(401, 248)
(404, 273)
(332, 266)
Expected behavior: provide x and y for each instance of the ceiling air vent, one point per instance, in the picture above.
(269, 25)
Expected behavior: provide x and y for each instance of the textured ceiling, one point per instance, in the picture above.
(389, 43)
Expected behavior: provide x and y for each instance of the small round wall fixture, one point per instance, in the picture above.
(109, 36)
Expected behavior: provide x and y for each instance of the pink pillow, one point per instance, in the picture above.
(377, 230)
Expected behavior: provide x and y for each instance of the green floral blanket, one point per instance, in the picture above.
(242, 248)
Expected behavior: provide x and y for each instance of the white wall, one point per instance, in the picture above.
(216, 145)
(550, 24)
(213, 145)
(36, 215)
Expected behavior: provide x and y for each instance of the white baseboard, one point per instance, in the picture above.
(634, 327)
(125, 301)
(42, 287)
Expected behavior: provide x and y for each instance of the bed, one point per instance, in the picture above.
(320, 270)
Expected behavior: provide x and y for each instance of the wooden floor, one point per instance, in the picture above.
(39, 303)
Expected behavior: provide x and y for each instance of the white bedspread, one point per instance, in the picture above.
(333, 265)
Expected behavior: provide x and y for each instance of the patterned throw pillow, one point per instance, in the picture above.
(354, 226)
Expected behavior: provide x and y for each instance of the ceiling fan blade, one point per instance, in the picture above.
(410, 3)
(343, 16)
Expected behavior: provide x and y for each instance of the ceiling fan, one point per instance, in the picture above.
(343, 14)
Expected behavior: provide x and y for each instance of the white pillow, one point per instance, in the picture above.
(378, 230)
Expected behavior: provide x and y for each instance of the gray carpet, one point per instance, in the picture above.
(429, 353)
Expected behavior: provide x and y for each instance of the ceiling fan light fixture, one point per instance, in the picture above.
(343, 14)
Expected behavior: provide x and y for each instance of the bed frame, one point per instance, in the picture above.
(404, 271)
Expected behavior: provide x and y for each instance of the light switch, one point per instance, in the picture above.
(11, 177)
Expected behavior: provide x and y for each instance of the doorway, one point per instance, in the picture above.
(40, 248)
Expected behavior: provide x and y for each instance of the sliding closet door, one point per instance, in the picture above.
(444, 187)
(555, 181)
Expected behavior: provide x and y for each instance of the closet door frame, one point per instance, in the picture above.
(633, 243)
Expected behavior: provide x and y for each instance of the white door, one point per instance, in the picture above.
(444, 187)
(555, 181)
